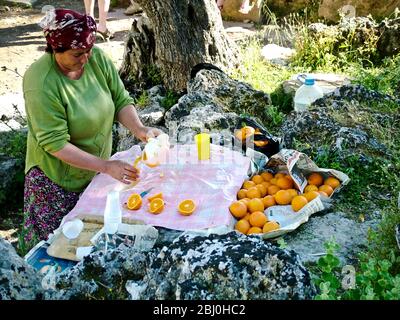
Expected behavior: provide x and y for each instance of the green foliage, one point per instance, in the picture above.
(143, 100)
(384, 79)
(328, 270)
(169, 100)
(153, 76)
(334, 50)
(373, 280)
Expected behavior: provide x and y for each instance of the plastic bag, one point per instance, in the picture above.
(252, 134)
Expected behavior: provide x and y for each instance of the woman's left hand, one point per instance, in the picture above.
(145, 133)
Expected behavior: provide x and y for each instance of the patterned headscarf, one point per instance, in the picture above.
(68, 29)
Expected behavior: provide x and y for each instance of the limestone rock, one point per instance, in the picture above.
(18, 280)
(213, 102)
(215, 267)
(276, 54)
(308, 240)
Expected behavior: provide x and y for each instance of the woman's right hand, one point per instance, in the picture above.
(121, 171)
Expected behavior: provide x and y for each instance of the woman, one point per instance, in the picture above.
(73, 94)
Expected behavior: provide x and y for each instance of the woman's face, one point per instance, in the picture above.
(73, 59)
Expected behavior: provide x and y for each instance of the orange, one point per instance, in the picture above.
(258, 219)
(255, 205)
(254, 230)
(333, 182)
(242, 193)
(266, 184)
(245, 200)
(257, 179)
(273, 189)
(238, 209)
(284, 183)
(273, 181)
(299, 202)
(270, 226)
(247, 217)
(262, 189)
(242, 226)
(244, 133)
(279, 175)
(186, 207)
(134, 201)
(311, 195)
(323, 194)
(327, 189)
(283, 197)
(315, 178)
(155, 196)
(268, 201)
(248, 184)
(156, 206)
(253, 192)
(267, 176)
(136, 162)
(293, 192)
(310, 187)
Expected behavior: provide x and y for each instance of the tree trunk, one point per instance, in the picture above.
(174, 36)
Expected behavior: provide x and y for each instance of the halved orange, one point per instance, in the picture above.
(155, 196)
(244, 133)
(134, 201)
(186, 207)
(156, 206)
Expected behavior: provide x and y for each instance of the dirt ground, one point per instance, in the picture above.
(22, 42)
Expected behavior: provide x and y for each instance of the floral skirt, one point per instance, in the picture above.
(45, 204)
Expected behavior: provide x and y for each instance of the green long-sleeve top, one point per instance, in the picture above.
(61, 110)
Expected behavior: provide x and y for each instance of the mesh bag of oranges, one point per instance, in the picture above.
(283, 195)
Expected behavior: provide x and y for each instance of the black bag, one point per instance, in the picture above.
(257, 138)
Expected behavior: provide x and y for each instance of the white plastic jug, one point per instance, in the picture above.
(307, 94)
(112, 213)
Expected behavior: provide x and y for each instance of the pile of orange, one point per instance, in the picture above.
(267, 189)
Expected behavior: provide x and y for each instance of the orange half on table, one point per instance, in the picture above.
(155, 196)
(156, 205)
(186, 207)
(134, 201)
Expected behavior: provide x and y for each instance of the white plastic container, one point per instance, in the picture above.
(307, 94)
(112, 213)
(155, 151)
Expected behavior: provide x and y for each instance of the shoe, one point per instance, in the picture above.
(106, 35)
(132, 9)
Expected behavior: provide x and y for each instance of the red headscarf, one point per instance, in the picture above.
(68, 29)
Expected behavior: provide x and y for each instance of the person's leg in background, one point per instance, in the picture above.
(104, 6)
(89, 7)
(220, 4)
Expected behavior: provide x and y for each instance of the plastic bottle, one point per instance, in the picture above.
(307, 94)
(112, 213)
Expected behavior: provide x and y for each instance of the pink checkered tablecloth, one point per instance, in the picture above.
(212, 184)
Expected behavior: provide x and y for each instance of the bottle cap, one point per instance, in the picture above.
(309, 81)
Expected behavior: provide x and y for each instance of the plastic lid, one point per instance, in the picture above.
(309, 81)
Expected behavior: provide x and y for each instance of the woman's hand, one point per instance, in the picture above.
(145, 133)
(121, 171)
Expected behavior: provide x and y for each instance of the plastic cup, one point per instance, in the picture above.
(203, 145)
(72, 229)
